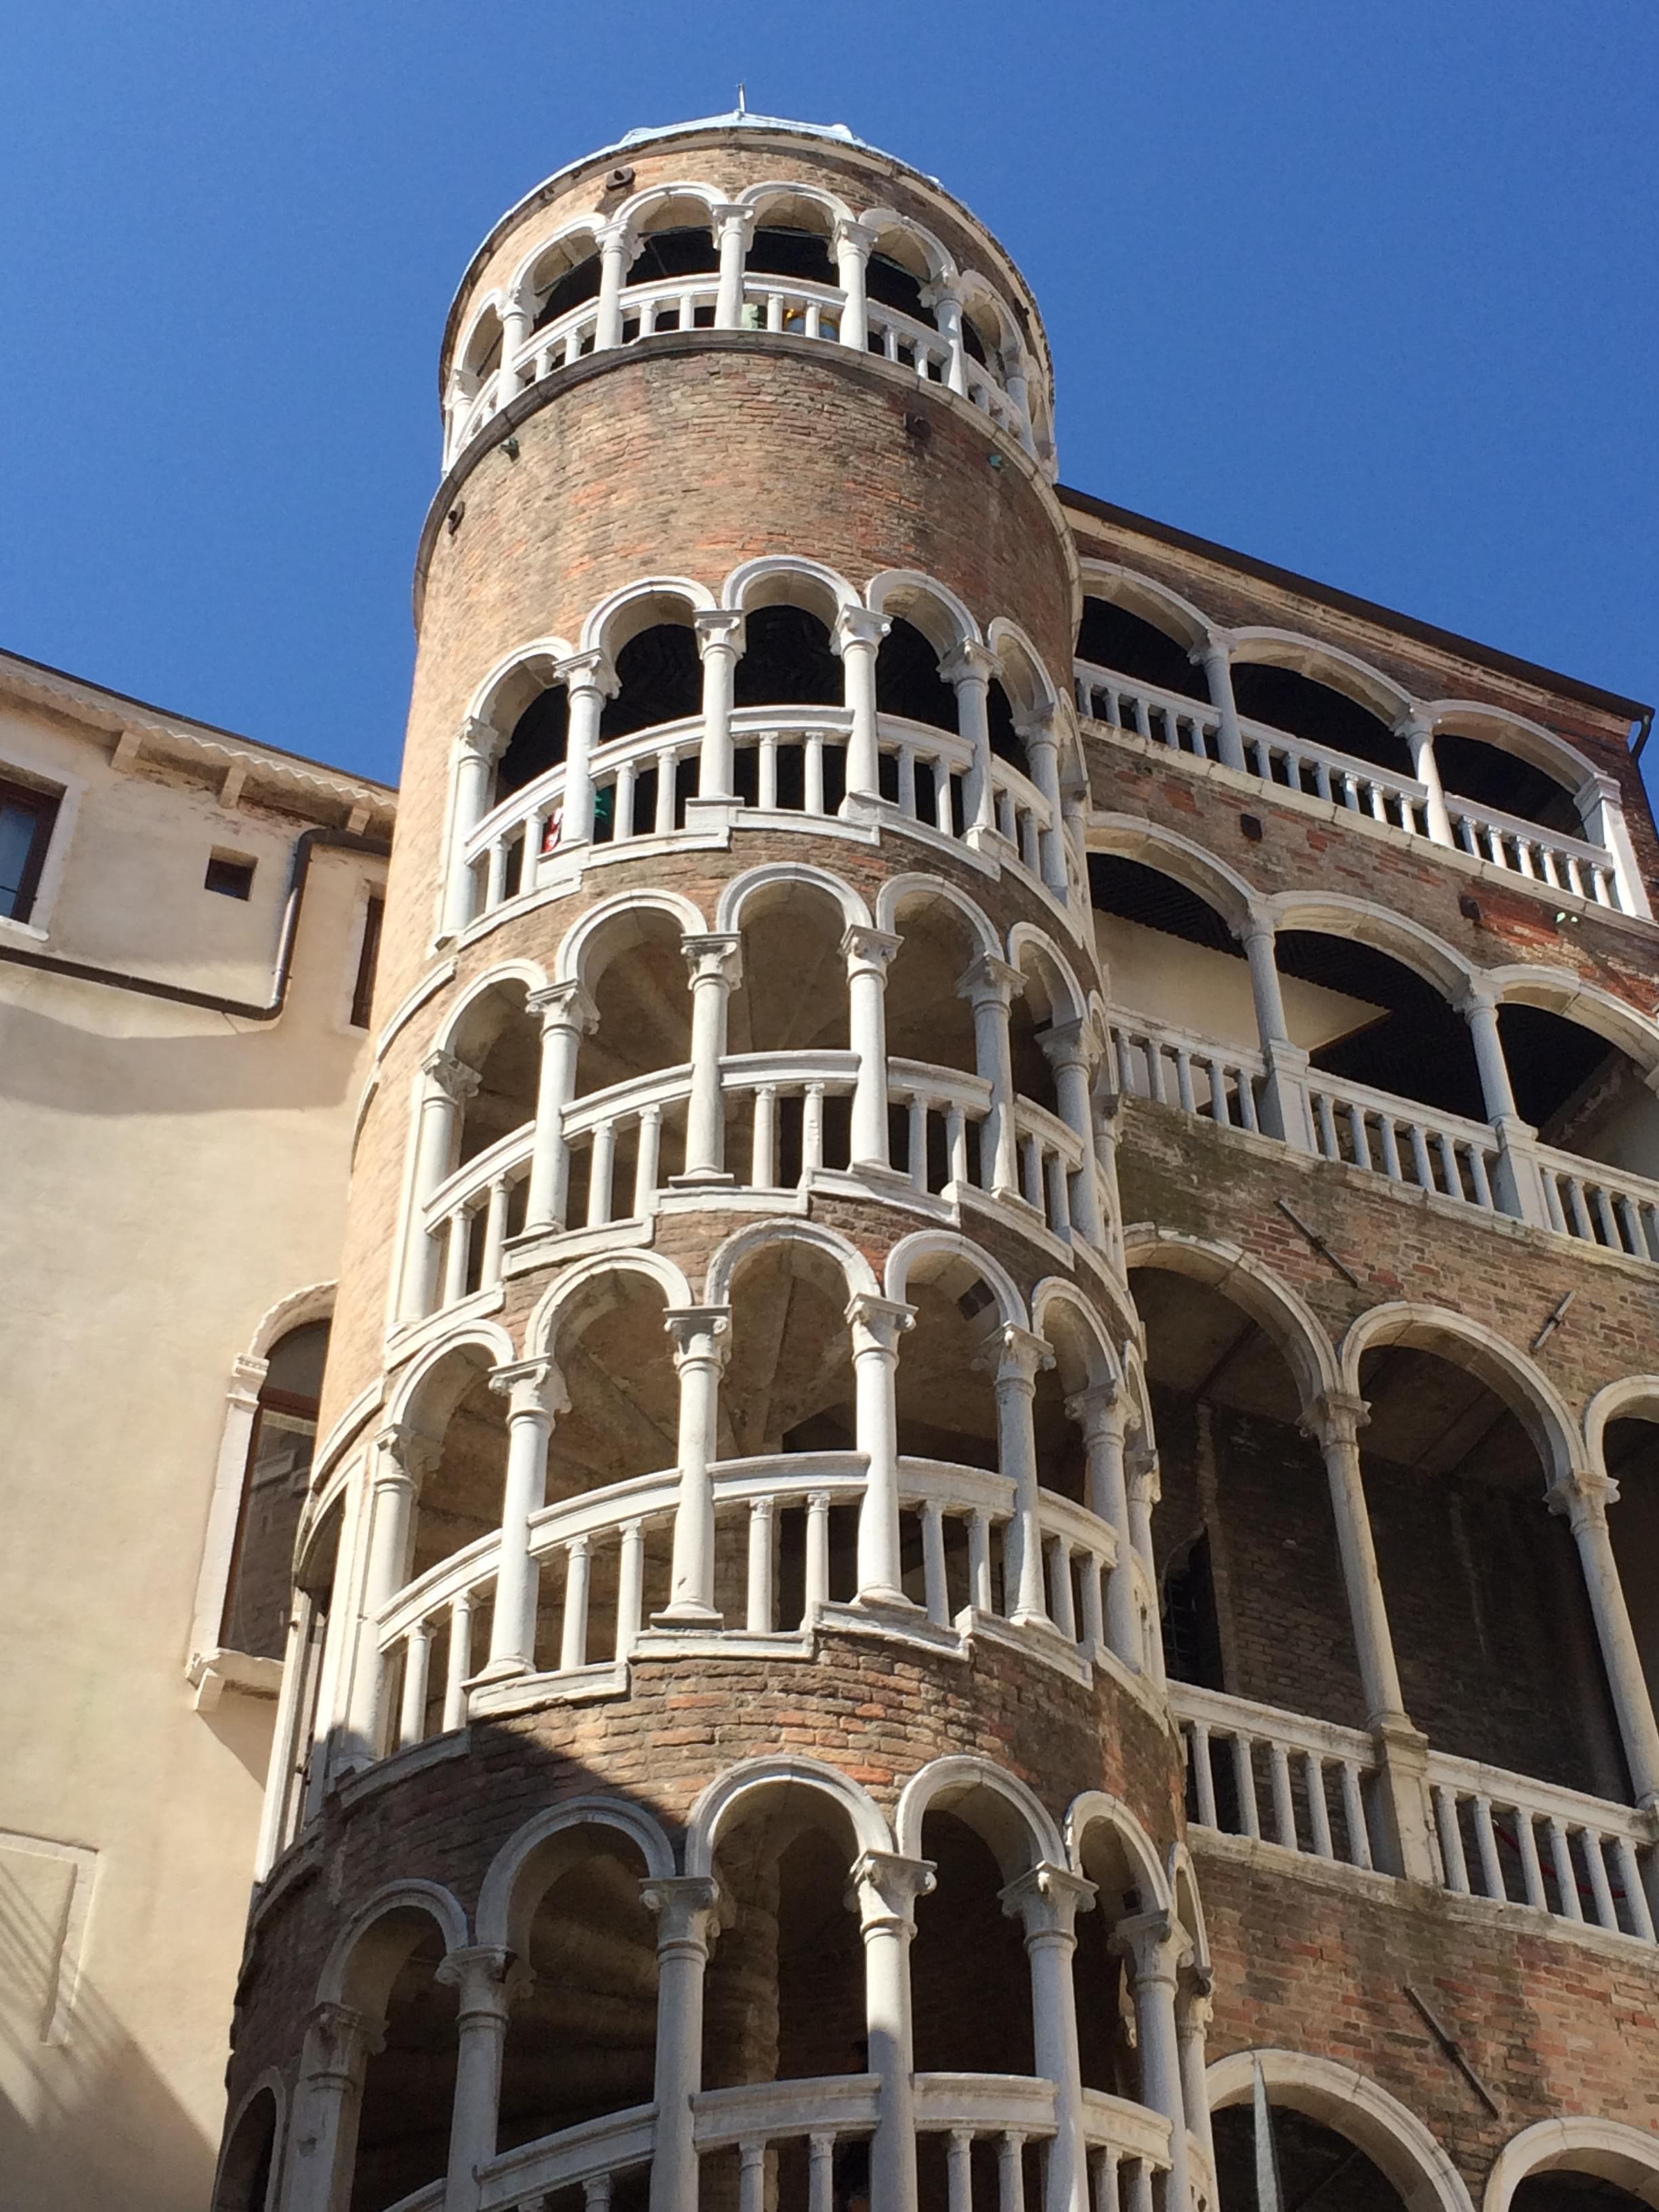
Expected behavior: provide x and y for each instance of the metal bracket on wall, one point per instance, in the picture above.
(1318, 1242)
(1454, 2051)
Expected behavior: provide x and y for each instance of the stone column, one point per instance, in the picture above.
(323, 2140)
(446, 1084)
(1042, 743)
(687, 1909)
(869, 954)
(567, 1014)
(615, 258)
(989, 986)
(1284, 1108)
(1048, 1899)
(946, 305)
(716, 965)
(853, 243)
(1066, 1047)
(517, 316)
(1015, 1358)
(1601, 810)
(970, 669)
(719, 634)
(877, 1325)
(488, 1980)
(1420, 739)
(701, 1342)
(479, 750)
(1583, 1497)
(1194, 2003)
(535, 1393)
(1214, 656)
(857, 638)
(1102, 1415)
(590, 680)
(1146, 1484)
(882, 1891)
(732, 226)
(1153, 1946)
(404, 1457)
(1519, 1186)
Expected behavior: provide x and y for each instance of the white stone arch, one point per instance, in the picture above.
(530, 973)
(1094, 1808)
(634, 216)
(1336, 914)
(1544, 749)
(925, 603)
(1395, 2140)
(314, 1302)
(532, 1851)
(486, 1336)
(580, 1294)
(1055, 1293)
(1261, 646)
(493, 304)
(781, 1776)
(271, 2084)
(1634, 1397)
(898, 892)
(523, 284)
(516, 679)
(359, 1974)
(890, 226)
(1508, 1372)
(1132, 837)
(1577, 2144)
(763, 196)
(1154, 602)
(574, 962)
(1005, 1813)
(1280, 1312)
(621, 615)
(982, 301)
(1031, 937)
(728, 1257)
(738, 892)
(934, 1243)
(789, 580)
(1612, 1019)
(1187, 1902)
(1025, 678)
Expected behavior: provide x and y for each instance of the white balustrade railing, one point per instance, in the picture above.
(639, 789)
(470, 1215)
(1275, 1776)
(1126, 2146)
(1175, 1068)
(1323, 773)
(1023, 814)
(1600, 1206)
(1543, 856)
(1162, 718)
(1409, 1144)
(758, 2120)
(1516, 1841)
(545, 2176)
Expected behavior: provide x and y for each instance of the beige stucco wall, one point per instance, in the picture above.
(169, 1174)
(1191, 987)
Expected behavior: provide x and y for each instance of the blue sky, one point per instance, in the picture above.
(1366, 290)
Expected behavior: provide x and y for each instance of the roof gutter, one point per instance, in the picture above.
(1644, 731)
(246, 1010)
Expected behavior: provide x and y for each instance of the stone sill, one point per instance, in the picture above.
(211, 1673)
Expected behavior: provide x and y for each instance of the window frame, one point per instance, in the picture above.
(46, 803)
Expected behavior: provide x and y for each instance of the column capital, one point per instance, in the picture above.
(883, 1888)
(719, 629)
(1013, 1354)
(856, 237)
(729, 215)
(1256, 929)
(859, 626)
(1038, 726)
(482, 739)
(715, 957)
(1145, 1475)
(1155, 1946)
(1600, 789)
(531, 1386)
(1196, 1995)
(989, 979)
(700, 1333)
(941, 292)
(687, 1910)
(488, 1979)
(878, 1323)
(564, 1007)
(1067, 1044)
(614, 234)
(587, 672)
(1336, 1418)
(1582, 1497)
(1478, 997)
(345, 2037)
(452, 1077)
(1214, 645)
(1048, 1899)
(407, 1454)
(1413, 723)
(871, 950)
(970, 662)
(1104, 1409)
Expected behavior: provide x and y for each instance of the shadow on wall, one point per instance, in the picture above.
(86, 2121)
(239, 1068)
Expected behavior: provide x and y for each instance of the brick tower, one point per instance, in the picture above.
(998, 1248)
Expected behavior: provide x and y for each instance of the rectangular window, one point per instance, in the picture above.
(27, 815)
(368, 957)
(231, 877)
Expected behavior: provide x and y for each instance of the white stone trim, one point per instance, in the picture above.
(1627, 2155)
(1391, 2136)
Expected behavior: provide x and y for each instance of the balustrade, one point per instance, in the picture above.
(1600, 1205)
(470, 1216)
(1432, 1151)
(1276, 1776)
(1173, 1068)
(1543, 856)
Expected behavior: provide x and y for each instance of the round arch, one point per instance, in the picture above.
(359, 1973)
(314, 1302)
(728, 1257)
(634, 213)
(752, 1777)
(487, 1336)
(1334, 914)
(897, 891)
(1522, 1387)
(581, 1293)
(1030, 687)
(519, 678)
(1155, 603)
(1368, 687)
(1132, 837)
(920, 599)
(1005, 1811)
(233, 2190)
(579, 227)
(1186, 1903)
(1029, 937)
(1281, 1313)
(532, 1849)
(789, 580)
(1634, 1397)
(574, 964)
(763, 196)
(928, 1243)
(1540, 748)
(530, 973)
(1055, 1293)
(1612, 1019)
(1395, 2141)
(887, 223)
(738, 892)
(1606, 2149)
(638, 606)
(1098, 1807)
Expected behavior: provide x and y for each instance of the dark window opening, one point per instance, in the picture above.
(27, 817)
(660, 679)
(891, 285)
(1111, 637)
(368, 960)
(1414, 1045)
(972, 345)
(1192, 1630)
(257, 1594)
(908, 681)
(231, 877)
(1304, 707)
(1134, 892)
(1317, 2167)
(681, 253)
(1471, 769)
(1006, 741)
(487, 362)
(780, 251)
(573, 290)
(786, 661)
(538, 742)
(1581, 1093)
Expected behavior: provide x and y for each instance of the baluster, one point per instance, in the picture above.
(1630, 1225)
(936, 1589)
(495, 1235)
(1604, 1215)
(596, 2193)
(1492, 1867)
(1323, 781)
(820, 2172)
(621, 819)
(1142, 715)
(1329, 1144)
(1553, 1200)
(889, 343)
(572, 1635)
(1466, 835)
(1581, 1219)
(418, 1659)
(1010, 2173)
(645, 1159)
(1601, 1890)
(457, 1252)
(1575, 878)
(762, 1529)
(979, 1559)
(663, 822)
(1319, 1816)
(817, 1554)
(1093, 1570)
(1630, 1880)
(1060, 1196)
(1155, 1090)
(458, 1664)
(1005, 814)
(1600, 886)
(1183, 1060)
(907, 779)
(1448, 1152)
(1203, 1774)
(1061, 1609)
(959, 2170)
(1353, 1815)
(1114, 706)
(763, 1155)
(1649, 1214)
(1451, 1839)
(916, 1139)
(496, 876)
(1532, 1874)
(811, 1132)
(1547, 868)
(1523, 849)
(774, 310)
(767, 795)
(751, 2180)
(814, 310)
(1220, 1112)
(1244, 1775)
(648, 318)
(1424, 1172)
(1262, 755)
(956, 1143)
(1379, 803)
(1102, 2180)
(1284, 1799)
(1359, 1136)
(1169, 728)
(1351, 791)
(1140, 2187)
(814, 771)
(602, 1167)
(1028, 839)
(630, 1587)
(1567, 1874)
(1030, 1171)
(1478, 1175)
(1247, 1100)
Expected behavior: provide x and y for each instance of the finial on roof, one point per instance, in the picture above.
(743, 99)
